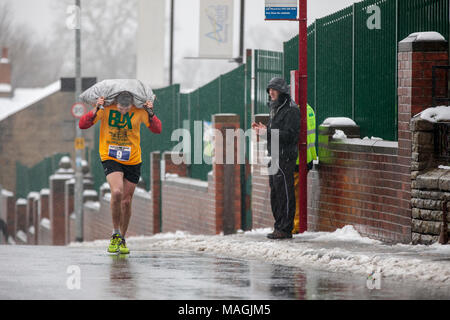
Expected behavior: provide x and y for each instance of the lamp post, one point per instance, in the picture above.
(78, 201)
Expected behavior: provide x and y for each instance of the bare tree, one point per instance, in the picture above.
(108, 38)
(28, 56)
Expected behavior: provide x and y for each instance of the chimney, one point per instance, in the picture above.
(5, 75)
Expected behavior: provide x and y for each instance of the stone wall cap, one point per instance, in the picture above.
(61, 177)
(225, 117)
(188, 182)
(366, 145)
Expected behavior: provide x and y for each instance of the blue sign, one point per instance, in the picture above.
(281, 9)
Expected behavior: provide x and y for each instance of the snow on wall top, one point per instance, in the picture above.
(24, 98)
(428, 36)
(437, 114)
(338, 122)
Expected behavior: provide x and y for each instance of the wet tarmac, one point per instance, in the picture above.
(30, 272)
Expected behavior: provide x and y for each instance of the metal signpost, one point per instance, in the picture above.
(287, 10)
(73, 22)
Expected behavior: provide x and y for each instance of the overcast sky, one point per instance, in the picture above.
(38, 14)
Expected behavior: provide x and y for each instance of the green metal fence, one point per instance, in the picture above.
(352, 68)
(36, 178)
(268, 64)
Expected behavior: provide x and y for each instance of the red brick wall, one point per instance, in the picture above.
(368, 190)
(141, 223)
(98, 221)
(188, 208)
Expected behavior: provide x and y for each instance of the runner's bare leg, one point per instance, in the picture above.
(128, 191)
(115, 181)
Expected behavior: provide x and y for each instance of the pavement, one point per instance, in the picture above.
(244, 266)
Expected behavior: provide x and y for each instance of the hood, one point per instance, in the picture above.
(278, 84)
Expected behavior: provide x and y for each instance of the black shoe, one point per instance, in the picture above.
(279, 235)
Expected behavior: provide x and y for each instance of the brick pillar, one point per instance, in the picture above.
(415, 60)
(155, 189)
(31, 216)
(44, 206)
(44, 213)
(36, 220)
(21, 221)
(57, 214)
(170, 167)
(8, 211)
(69, 207)
(227, 177)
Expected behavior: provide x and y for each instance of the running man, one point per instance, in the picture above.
(120, 153)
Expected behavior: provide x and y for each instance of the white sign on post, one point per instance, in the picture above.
(216, 28)
(281, 9)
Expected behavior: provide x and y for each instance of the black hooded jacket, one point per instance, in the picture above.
(284, 116)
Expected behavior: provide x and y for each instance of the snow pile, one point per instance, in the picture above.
(339, 135)
(90, 193)
(169, 176)
(428, 36)
(21, 202)
(347, 233)
(437, 114)
(4, 87)
(45, 223)
(7, 193)
(444, 167)
(22, 236)
(338, 122)
(94, 205)
(373, 138)
(344, 250)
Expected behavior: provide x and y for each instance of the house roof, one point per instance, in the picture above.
(24, 98)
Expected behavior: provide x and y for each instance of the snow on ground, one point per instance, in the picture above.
(344, 250)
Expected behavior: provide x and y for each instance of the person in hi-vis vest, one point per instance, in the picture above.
(311, 155)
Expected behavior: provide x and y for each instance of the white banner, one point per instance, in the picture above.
(216, 28)
(151, 53)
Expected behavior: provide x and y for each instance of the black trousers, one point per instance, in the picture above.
(282, 196)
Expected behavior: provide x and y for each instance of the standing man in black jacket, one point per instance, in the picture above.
(284, 121)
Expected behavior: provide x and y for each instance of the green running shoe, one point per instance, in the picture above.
(123, 249)
(116, 239)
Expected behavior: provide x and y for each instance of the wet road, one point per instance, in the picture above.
(55, 272)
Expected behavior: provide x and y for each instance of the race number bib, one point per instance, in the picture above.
(120, 153)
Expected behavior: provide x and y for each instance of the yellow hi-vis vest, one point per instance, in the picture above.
(311, 153)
